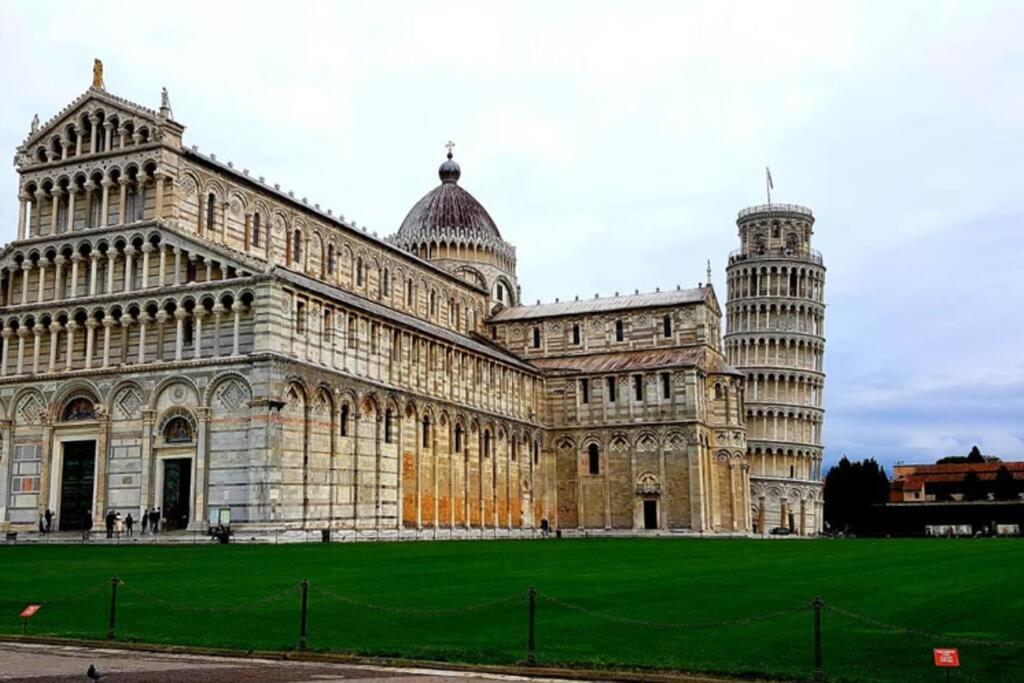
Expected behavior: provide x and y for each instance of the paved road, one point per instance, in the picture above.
(26, 663)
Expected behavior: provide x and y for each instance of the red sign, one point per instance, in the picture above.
(946, 657)
(30, 610)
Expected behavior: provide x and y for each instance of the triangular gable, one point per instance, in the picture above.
(88, 102)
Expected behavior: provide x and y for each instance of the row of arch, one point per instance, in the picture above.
(755, 318)
(785, 388)
(776, 351)
(174, 325)
(111, 264)
(790, 281)
(69, 202)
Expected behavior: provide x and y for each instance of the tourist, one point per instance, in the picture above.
(118, 525)
(86, 525)
(154, 520)
(109, 519)
(49, 520)
(128, 522)
(544, 527)
(42, 525)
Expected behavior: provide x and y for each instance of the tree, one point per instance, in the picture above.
(975, 455)
(1006, 487)
(850, 491)
(972, 488)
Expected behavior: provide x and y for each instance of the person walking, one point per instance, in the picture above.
(118, 525)
(86, 525)
(109, 523)
(128, 522)
(154, 520)
(48, 515)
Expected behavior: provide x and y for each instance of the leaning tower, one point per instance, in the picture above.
(775, 336)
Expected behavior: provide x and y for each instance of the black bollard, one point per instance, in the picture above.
(113, 607)
(818, 675)
(305, 603)
(531, 643)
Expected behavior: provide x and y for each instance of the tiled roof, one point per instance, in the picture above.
(914, 476)
(600, 305)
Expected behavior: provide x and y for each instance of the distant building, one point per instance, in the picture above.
(950, 482)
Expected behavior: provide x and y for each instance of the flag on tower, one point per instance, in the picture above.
(769, 185)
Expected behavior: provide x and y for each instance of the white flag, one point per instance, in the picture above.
(768, 174)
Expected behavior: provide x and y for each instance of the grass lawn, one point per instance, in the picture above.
(959, 587)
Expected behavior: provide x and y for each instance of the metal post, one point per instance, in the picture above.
(113, 607)
(531, 646)
(818, 676)
(305, 603)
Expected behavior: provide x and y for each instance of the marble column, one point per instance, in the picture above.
(179, 332)
(78, 140)
(93, 132)
(75, 260)
(143, 319)
(129, 254)
(37, 342)
(111, 267)
(42, 279)
(218, 315)
(37, 212)
(23, 200)
(236, 309)
(198, 313)
(147, 249)
(58, 274)
(26, 268)
(177, 265)
(90, 340)
(6, 333)
(94, 266)
(123, 199)
(22, 333)
(105, 202)
(54, 338)
(162, 266)
(70, 327)
(108, 323)
(54, 204)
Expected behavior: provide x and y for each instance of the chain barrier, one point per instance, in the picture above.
(962, 640)
(676, 625)
(190, 608)
(420, 612)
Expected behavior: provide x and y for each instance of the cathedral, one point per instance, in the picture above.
(178, 333)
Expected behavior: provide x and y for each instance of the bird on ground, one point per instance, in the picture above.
(93, 674)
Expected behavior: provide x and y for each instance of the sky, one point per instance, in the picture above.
(613, 144)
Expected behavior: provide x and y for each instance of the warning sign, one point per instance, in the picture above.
(946, 657)
(29, 611)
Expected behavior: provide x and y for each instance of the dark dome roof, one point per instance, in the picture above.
(447, 212)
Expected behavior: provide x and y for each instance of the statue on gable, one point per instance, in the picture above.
(97, 74)
(35, 125)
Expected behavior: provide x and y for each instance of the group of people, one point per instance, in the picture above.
(115, 524)
(46, 522)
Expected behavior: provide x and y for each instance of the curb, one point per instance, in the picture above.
(537, 671)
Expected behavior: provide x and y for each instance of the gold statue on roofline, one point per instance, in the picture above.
(97, 74)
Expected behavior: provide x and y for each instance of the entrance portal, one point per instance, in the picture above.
(650, 514)
(177, 489)
(76, 483)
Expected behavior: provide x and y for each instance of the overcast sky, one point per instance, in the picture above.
(613, 143)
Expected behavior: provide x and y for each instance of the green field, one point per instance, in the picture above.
(605, 602)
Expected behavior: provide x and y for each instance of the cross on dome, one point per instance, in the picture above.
(450, 146)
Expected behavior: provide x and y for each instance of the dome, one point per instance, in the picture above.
(448, 213)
